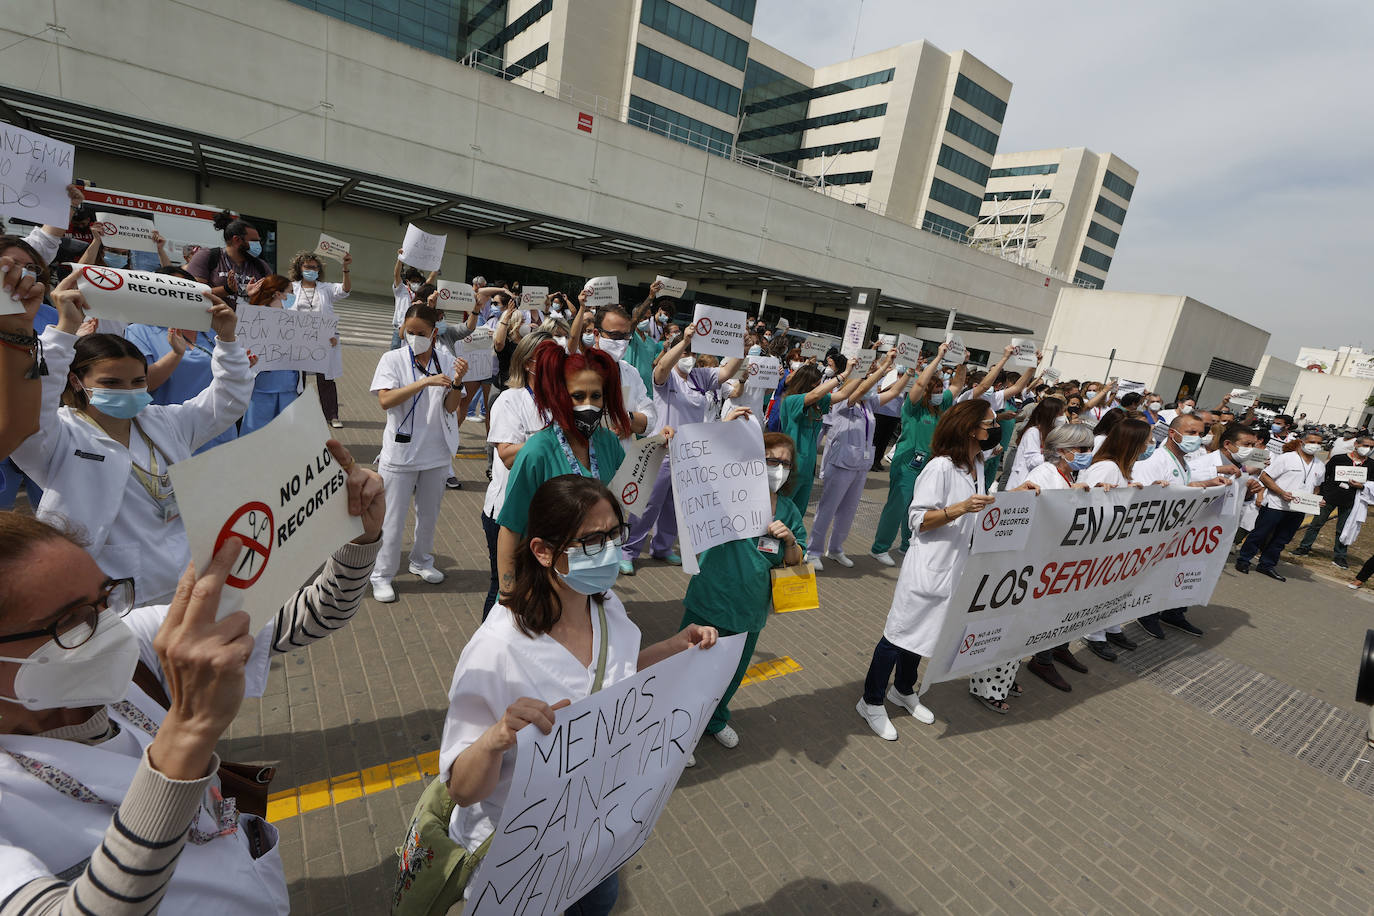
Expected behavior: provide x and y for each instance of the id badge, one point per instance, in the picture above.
(917, 460)
(768, 545)
(170, 511)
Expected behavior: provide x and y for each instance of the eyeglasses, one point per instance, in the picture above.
(987, 424)
(778, 463)
(77, 625)
(614, 335)
(592, 544)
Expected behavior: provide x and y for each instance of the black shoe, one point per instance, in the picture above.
(1302, 551)
(1151, 625)
(453, 483)
(1101, 650)
(1340, 561)
(1121, 640)
(1181, 623)
(1242, 566)
(1066, 658)
(1269, 571)
(1050, 675)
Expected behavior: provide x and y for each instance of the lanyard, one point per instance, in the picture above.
(1067, 479)
(153, 479)
(415, 372)
(1182, 469)
(572, 459)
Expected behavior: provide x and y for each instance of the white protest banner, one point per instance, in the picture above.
(34, 173)
(720, 486)
(632, 483)
(908, 350)
(1025, 353)
(861, 362)
(1090, 560)
(286, 338)
(332, 248)
(532, 297)
(453, 295)
(280, 491)
(762, 372)
(137, 297)
(1006, 525)
(120, 230)
(956, 352)
(585, 798)
(1242, 399)
(719, 332)
(602, 291)
(671, 287)
(1306, 503)
(855, 332)
(1358, 474)
(1126, 386)
(423, 250)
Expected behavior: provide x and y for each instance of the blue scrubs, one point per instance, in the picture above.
(11, 478)
(273, 392)
(191, 376)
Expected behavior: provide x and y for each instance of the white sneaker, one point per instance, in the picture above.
(727, 737)
(428, 573)
(691, 761)
(876, 717)
(911, 704)
(884, 558)
(382, 591)
(816, 562)
(840, 558)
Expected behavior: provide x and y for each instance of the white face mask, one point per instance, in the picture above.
(1185, 410)
(1311, 448)
(614, 347)
(828, 372)
(776, 478)
(796, 364)
(95, 673)
(1154, 406)
(686, 364)
(1245, 452)
(1362, 451)
(417, 343)
(562, 342)
(1061, 420)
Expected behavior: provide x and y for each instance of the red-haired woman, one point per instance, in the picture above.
(581, 393)
(273, 389)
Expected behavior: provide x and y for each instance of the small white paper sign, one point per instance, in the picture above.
(532, 297)
(423, 250)
(720, 486)
(479, 341)
(280, 491)
(1353, 474)
(957, 352)
(671, 287)
(286, 338)
(1006, 524)
(1024, 355)
(855, 327)
(332, 248)
(34, 173)
(602, 291)
(120, 230)
(1126, 386)
(1242, 399)
(719, 332)
(762, 372)
(453, 295)
(817, 345)
(1051, 375)
(138, 297)
(1306, 503)
(908, 350)
(634, 480)
(862, 362)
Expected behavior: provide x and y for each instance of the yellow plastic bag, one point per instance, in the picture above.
(794, 588)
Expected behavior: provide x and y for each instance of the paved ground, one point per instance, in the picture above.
(1221, 775)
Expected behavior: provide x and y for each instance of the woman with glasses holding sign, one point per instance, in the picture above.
(313, 294)
(559, 634)
(102, 453)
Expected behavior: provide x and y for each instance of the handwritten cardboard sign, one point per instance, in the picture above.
(720, 486)
(34, 173)
(423, 250)
(286, 338)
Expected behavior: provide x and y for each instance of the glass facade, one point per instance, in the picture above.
(1029, 194)
(497, 42)
(974, 133)
(942, 226)
(1019, 170)
(1083, 279)
(960, 164)
(829, 149)
(1094, 258)
(762, 86)
(1102, 234)
(740, 9)
(1110, 210)
(806, 94)
(957, 198)
(848, 178)
(687, 81)
(980, 98)
(452, 28)
(679, 127)
(839, 117)
(1118, 185)
(675, 22)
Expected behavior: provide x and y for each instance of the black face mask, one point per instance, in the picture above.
(586, 419)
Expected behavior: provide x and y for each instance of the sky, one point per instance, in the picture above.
(1251, 125)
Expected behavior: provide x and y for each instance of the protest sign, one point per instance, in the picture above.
(671, 287)
(855, 332)
(1007, 524)
(887, 340)
(532, 297)
(138, 297)
(633, 482)
(280, 491)
(956, 353)
(719, 332)
(908, 350)
(817, 345)
(1358, 474)
(423, 250)
(1363, 368)
(34, 173)
(762, 372)
(861, 362)
(1090, 559)
(332, 248)
(453, 295)
(1051, 375)
(1024, 355)
(286, 338)
(602, 291)
(479, 341)
(1242, 399)
(120, 230)
(720, 486)
(584, 798)
(1126, 386)
(179, 222)
(1306, 503)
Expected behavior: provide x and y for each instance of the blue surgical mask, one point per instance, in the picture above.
(1149, 450)
(1189, 444)
(112, 259)
(1081, 460)
(311, 275)
(255, 249)
(121, 403)
(588, 339)
(441, 327)
(756, 350)
(1275, 428)
(592, 575)
(644, 325)
(288, 301)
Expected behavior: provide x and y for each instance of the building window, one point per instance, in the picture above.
(687, 81)
(677, 126)
(527, 63)
(1110, 210)
(1019, 170)
(497, 42)
(675, 22)
(829, 149)
(762, 84)
(1026, 194)
(820, 92)
(957, 198)
(839, 117)
(941, 226)
(740, 9)
(1094, 258)
(974, 133)
(1088, 280)
(1102, 234)
(963, 165)
(980, 98)
(1118, 185)
(848, 178)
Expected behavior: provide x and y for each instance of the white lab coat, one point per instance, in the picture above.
(936, 558)
(636, 397)
(84, 472)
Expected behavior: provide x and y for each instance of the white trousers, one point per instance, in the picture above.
(427, 488)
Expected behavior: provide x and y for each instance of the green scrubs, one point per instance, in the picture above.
(542, 458)
(910, 455)
(803, 424)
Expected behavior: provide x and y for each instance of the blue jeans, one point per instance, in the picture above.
(395, 338)
(887, 656)
(492, 531)
(1339, 551)
(599, 900)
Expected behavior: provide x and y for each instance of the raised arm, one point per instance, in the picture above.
(579, 323)
(347, 284)
(396, 273)
(825, 387)
(21, 388)
(668, 361)
(1102, 396)
(1020, 384)
(644, 307)
(928, 374)
(990, 377)
(886, 395)
(858, 389)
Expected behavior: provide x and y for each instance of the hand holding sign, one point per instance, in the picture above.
(423, 250)
(25, 293)
(139, 297)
